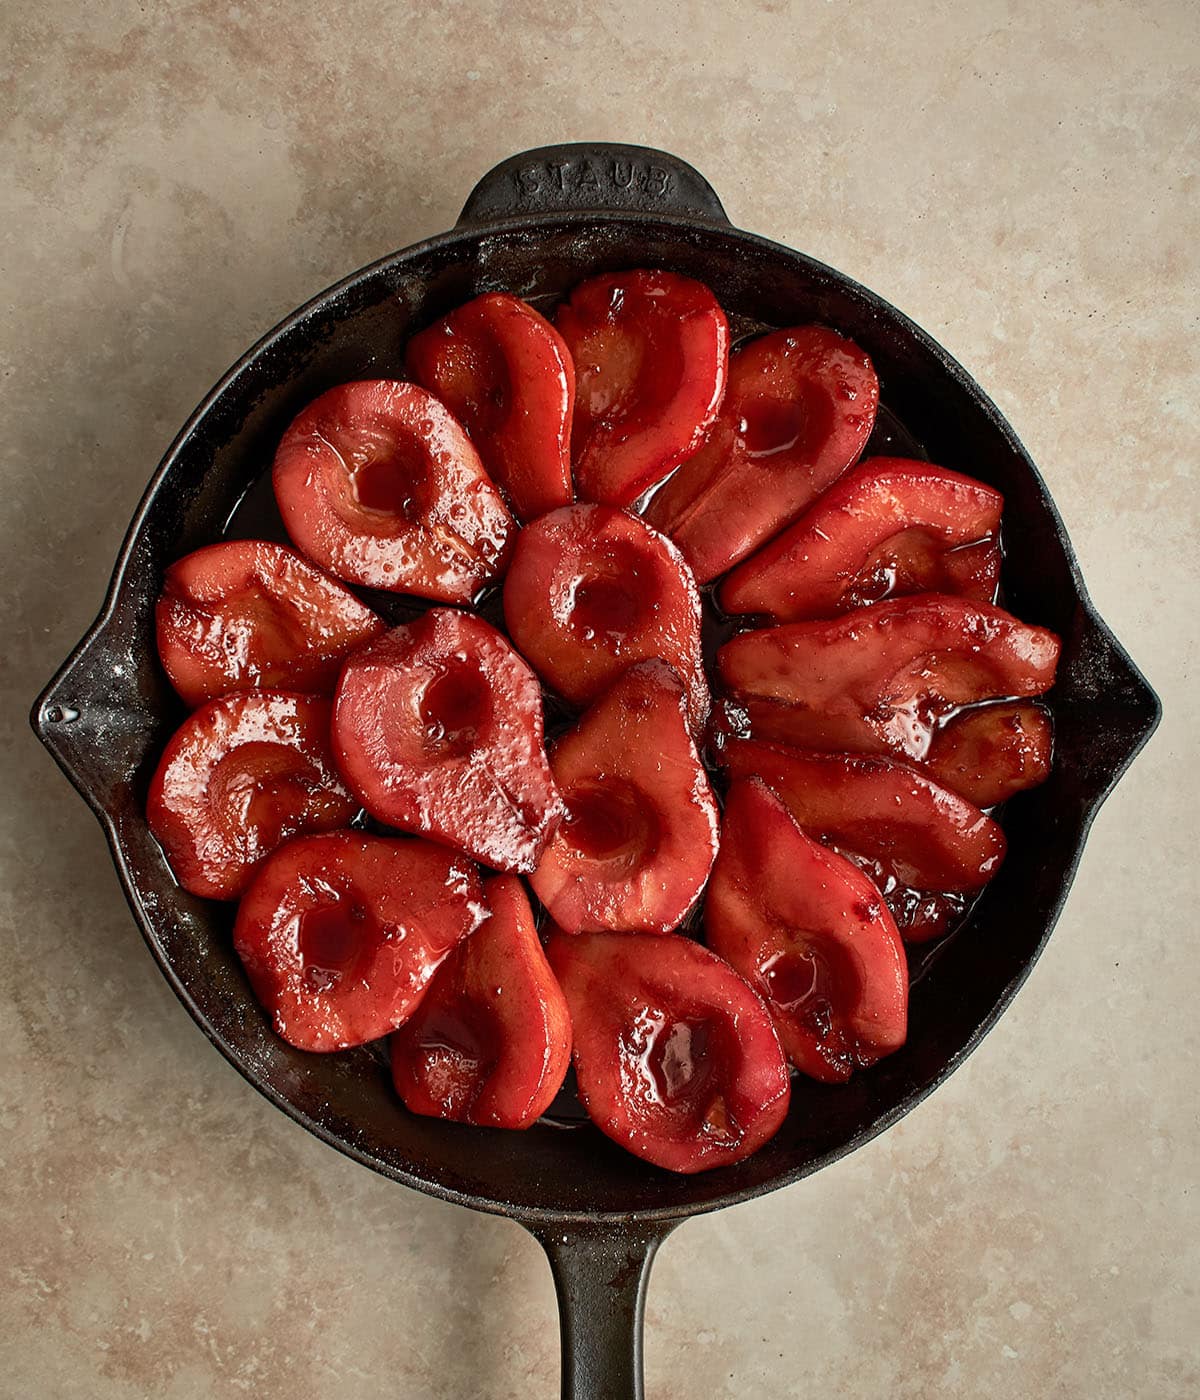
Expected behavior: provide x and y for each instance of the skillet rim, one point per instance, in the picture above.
(538, 224)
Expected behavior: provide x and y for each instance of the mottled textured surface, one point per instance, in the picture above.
(1021, 179)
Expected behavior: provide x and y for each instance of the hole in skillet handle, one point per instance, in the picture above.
(592, 175)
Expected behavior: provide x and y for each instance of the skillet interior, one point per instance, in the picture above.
(109, 711)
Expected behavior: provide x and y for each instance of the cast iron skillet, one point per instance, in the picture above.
(535, 225)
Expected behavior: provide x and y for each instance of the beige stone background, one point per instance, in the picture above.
(1020, 178)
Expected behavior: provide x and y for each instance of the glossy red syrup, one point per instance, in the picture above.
(611, 604)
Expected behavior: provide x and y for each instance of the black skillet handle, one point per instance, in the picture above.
(592, 175)
(601, 1273)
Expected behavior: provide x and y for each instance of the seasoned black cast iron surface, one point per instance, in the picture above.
(108, 713)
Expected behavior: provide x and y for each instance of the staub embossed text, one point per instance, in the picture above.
(593, 176)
